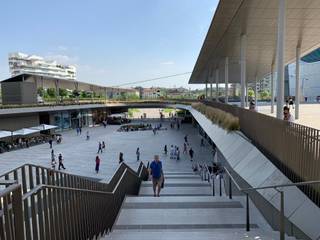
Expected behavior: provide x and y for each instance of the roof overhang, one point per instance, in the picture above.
(258, 20)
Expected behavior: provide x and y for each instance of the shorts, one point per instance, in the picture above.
(157, 181)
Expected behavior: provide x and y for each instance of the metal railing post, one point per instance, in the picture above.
(247, 213)
(230, 188)
(282, 232)
(220, 185)
(18, 213)
(213, 187)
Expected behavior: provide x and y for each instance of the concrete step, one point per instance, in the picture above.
(214, 234)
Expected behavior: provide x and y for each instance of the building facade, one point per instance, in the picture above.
(20, 63)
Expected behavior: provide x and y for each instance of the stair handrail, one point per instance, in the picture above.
(275, 187)
(89, 213)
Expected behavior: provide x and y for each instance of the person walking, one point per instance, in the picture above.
(53, 160)
(171, 152)
(99, 148)
(97, 164)
(157, 175)
(103, 146)
(80, 130)
(184, 148)
(50, 142)
(60, 158)
(178, 153)
(202, 142)
(88, 136)
(165, 150)
(138, 154)
(186, 139)
(191, 153)
(120, 157)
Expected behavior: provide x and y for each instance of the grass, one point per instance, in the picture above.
(225, 120)
(168, 110)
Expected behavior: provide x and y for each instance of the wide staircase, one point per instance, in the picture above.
(40, 203)
(187, 209)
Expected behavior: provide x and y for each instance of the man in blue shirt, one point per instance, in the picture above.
(157, 175)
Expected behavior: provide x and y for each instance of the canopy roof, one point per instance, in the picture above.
(43, 127)
(4, 134)
(258, 20)
(25, 131)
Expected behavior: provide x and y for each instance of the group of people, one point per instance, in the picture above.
(174, 152)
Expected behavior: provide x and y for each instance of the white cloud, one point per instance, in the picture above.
(167, 63)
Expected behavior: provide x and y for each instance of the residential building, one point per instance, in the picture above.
(20, 63)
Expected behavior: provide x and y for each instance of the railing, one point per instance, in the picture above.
(101, 101)
(278, 188)
(63, 206)
(30, 175)
(293, 148)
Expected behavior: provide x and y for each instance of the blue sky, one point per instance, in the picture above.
(110, 42)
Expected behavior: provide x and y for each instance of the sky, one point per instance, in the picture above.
(110, 42)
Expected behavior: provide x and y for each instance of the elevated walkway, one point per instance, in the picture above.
(187, 209)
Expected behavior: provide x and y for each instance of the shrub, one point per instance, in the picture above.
(225, 120)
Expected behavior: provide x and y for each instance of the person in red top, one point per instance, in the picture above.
(97, 164)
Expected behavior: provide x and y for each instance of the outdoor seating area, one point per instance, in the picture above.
(135, 127)
(25, 137)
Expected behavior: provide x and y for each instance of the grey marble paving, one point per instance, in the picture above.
(79, 154)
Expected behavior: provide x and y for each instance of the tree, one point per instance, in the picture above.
(41, 92)
(264, 95)
(63, 92)
(250, 93)
(51, 92)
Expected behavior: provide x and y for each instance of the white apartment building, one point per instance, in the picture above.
(31, 64)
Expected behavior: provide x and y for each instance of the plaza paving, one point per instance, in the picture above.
(79, 154)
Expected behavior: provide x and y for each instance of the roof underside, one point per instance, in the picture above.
(258, 20)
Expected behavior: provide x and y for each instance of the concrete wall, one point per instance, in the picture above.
(251, 165)
(19, 93)
(12, 123)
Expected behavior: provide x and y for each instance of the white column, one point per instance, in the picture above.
(272, 89)
(210, 80)
(226, 79)
(246, 94)
(217, 84)
(206, 96)
(243, 68)
(280, 56)
(256, 92)
(297, 95)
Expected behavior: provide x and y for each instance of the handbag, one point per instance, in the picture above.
(162, 184)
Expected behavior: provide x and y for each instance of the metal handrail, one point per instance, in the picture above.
(275, 187)
(89, 211)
